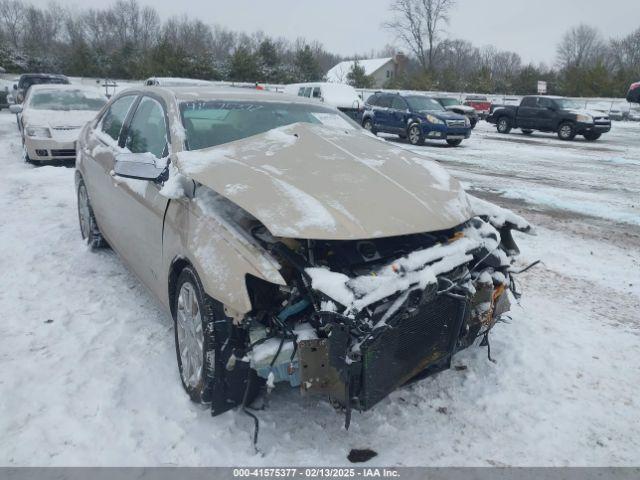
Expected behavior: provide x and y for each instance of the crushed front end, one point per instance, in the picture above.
(357, 319)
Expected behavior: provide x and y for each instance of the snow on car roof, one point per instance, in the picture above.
(184, 93)
(58, 87)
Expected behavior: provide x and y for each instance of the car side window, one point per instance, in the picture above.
(372, 100)
(307, 92)
(316, 92)
(114, 118)
(147, 131)
(384, 101)
(301, 92)
(528, 102)
(398, 103)
(544, 103)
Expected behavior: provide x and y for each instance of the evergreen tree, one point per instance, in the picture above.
(358, 78)
(307, 67)
(244, 66)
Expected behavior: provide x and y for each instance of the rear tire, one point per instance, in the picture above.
(194, 316)
(473, 123)
(567, 131)
(504, 125)
(527, 132)
(367, 124)
(454, 143)
(414, 134)
(592, 136)
(25, 154)
(88, 226)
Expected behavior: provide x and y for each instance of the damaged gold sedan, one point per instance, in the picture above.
(290, 245)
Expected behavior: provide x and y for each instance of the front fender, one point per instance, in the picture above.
(221, 256)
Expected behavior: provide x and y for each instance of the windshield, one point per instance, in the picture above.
(567, 104)
(448, 102)
(424, 104)
(66, 100)
(212, 123)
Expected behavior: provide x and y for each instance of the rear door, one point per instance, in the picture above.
(139, 205)
(98, 159)
(382, 114)
(398, 114)
(527, 112)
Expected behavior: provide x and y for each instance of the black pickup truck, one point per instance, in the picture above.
(563, 116)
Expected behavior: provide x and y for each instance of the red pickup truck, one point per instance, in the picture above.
(634, 93)
(481, 104)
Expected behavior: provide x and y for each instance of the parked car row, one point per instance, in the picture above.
(238, 209)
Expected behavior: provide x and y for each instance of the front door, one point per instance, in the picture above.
(138, 203)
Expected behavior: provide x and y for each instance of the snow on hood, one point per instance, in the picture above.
(411, 272)
(464, 108)
(57, 118)
(581, 111)
(314, 181)
(443, 115)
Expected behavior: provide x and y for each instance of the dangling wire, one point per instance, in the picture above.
(256, 421)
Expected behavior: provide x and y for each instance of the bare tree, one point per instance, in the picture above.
(12, 18)
(581, 46)
(418, 23)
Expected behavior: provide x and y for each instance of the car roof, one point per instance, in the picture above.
(64, 86)
(42, 75)
(187, 93)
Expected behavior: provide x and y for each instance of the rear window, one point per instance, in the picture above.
(66, 100)
(372, 100)
(212, 123)
(27, 82)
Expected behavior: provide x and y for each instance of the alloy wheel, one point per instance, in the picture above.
(84, 212)
(190, 335)
(414, 135)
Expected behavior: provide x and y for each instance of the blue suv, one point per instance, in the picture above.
(415, 117)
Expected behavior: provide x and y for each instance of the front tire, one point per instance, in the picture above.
(592, 136)
(567, 131)
(504, 125)
(414, 134)
(194, 316)
(88, 225)
(454, 143)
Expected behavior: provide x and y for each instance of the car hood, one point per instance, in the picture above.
(446, 115)
(316, 182)
(462, 108)
(57, 118)
(592, 113)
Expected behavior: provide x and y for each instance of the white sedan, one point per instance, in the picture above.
(51, 117)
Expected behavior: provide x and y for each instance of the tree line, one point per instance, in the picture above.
(129, 41)
(586, 64)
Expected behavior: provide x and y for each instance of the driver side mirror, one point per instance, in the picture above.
(15, 108)
(139, 166)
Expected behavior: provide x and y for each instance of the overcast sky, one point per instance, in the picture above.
(530, 28)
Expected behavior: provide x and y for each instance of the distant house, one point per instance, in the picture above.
(380, 69)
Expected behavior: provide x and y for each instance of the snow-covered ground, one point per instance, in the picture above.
(87, 362)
